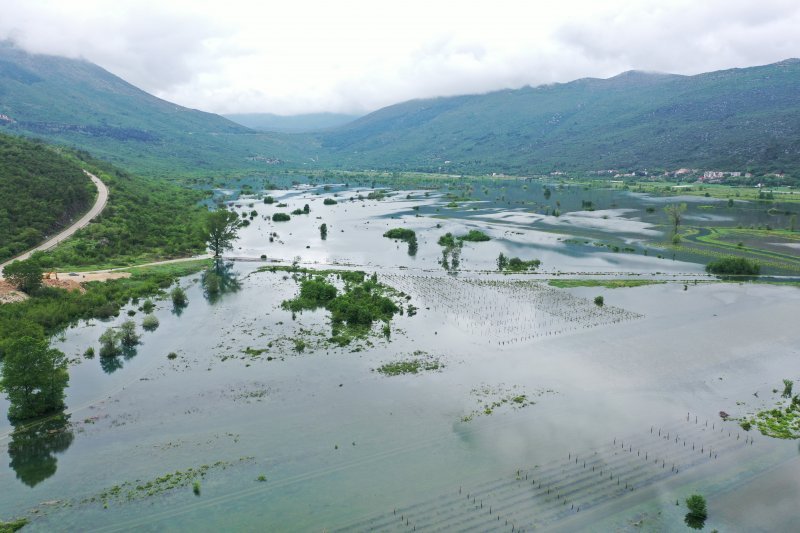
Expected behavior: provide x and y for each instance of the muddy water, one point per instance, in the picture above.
(342, 446)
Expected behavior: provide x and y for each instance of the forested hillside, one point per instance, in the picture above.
(40, 192)
(79, 104)
(736, 120)
(146, 219)
(739, 119)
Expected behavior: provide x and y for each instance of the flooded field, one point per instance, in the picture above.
(490, 401)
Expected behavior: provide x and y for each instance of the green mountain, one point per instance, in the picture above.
(729, 120)
(736, 120)
(41, 192)
(77, 103)
(305, 123)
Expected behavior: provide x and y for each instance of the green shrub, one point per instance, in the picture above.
(150, 323)
(281, 217)
(109, 343)
(734, 266)
(329, 201)
(402, 234)
(179, 298)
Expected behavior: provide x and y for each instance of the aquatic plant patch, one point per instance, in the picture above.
(491, 398)
(417, 363)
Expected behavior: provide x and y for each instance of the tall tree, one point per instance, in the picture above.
(33, 378)
(221, 228)
(675, 214)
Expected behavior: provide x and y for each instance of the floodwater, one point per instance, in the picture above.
(621, 417)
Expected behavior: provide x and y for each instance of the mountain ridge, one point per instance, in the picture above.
(735, 119)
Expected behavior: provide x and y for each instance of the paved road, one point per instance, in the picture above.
(99, 205)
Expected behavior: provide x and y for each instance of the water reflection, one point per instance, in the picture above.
(694, 521)
(218, 280)
(110, 364)
(33, 447)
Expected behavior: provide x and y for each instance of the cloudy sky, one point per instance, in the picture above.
(301, 56)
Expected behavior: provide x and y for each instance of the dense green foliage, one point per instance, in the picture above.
(734, 266)
(447, 240)
(281, 217)
(40, 192)
(24, 275)
(329, 201)
(362, 305)
(474, 235)
(402, 234)
(362, 302)
(145, 219)
(314, 293)
(33, 378)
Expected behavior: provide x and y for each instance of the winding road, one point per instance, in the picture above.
(97, 208)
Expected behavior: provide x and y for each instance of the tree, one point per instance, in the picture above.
(109, 344)
(221, 227)
(33, 377)
(127, 334)
(24, 275)
(675, 214)
(698, 512)
(502, 262)
(323, 231)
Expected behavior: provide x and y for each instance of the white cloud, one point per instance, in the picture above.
(317, 55)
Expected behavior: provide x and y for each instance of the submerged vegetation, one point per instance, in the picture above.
(515, 264)
(781, 421)
(50, 310)
(406, 235)
(606, 283)
(492, 398)
(361, 302)
(418, 362)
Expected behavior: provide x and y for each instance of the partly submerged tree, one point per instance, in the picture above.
(127, 334)
(33, 378)
(221, 228)
(696, 517)
(675, 214)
